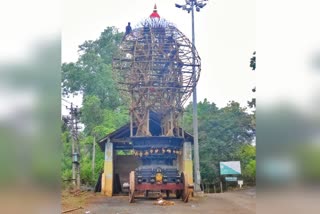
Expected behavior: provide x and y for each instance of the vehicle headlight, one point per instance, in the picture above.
(159, 177)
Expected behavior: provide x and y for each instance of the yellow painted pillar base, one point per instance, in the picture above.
(103, 184)
(187, 161)
(188, 169)
(107, 176)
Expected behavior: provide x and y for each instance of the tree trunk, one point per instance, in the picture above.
(93, 155)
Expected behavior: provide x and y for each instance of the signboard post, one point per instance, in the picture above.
(240, 182)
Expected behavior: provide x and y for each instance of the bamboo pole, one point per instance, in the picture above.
(67, 211)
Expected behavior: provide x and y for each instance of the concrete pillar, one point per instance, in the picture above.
(187, 161)
(107, 176)
(180, 162)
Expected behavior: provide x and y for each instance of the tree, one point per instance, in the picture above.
(66, 160)
(92, 73)
(92, 113)
(253, 61)
(246, 154)
(222, 132)
(104, 108)
(252, 103)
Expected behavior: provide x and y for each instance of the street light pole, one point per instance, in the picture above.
(190, 4)
(195, 112)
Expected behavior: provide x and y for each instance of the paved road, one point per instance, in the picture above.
(236, 202)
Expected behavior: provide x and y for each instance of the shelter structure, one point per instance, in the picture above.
(156, 69)
(121, 157)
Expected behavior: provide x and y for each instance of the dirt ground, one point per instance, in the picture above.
(235, 202)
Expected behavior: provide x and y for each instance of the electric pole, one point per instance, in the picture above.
(73, 122)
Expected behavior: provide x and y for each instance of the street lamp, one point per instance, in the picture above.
(189, 7)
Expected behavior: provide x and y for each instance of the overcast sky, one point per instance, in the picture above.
(225, 38)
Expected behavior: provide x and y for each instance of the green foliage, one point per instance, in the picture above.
(91, 112)
(99, 163)
(252, 103)
(247, 156)
(246, 153)
(92, 73)
(66, 159)
(86, 170)
(101, 121)
(124, 152)
(249, 171)
(104, 109)
(222, 132)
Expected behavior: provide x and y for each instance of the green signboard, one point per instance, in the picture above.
(231, 178)
(230, 168)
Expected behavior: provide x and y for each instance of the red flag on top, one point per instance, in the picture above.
(154, 14)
